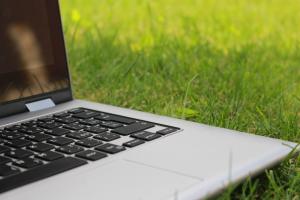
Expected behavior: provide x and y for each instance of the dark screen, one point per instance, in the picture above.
(28, 65)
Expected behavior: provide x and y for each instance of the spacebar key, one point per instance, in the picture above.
(133, 128)
(39, 173)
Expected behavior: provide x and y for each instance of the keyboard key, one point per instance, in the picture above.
(50, 125)
(38, 137)
(106, 136)
(3, 149)
(79, 135)
(70, 149)
(144, 135)
(10, 135)
(30, 130)
(111, 125)
(57, 131)
(28, 163)
(110, 148)
(88, 142)
(74, 127)
(76, 110)
(95, 129)
(86, 114)
(60, 141)
(45, 119)
(49, 156)
(39, 173)
(4, 160)
(133, 143)
(18, 143)
(6, 170)
(103, 117)
(91, 155)
(167, 131)
(133, 128)
(40, 147)
(67, 120)
(123, 120)
(30, 123)
(18, 153)
(90, 122)
(61, 115)
(14, 127)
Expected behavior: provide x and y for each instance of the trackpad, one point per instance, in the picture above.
(202, 155)
(116, 180)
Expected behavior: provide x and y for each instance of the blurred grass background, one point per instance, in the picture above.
(228, 63)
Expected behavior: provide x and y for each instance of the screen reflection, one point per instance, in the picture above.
(27, 63)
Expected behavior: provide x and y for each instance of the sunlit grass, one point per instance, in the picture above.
(229, 63)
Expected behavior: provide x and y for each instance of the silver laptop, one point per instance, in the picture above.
(55, 147)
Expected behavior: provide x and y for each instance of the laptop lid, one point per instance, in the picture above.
(33, 64)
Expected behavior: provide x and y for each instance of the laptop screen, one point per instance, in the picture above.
(29, 65)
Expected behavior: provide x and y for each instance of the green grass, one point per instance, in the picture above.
(227, 63)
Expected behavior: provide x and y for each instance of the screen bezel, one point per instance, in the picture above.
(59, 51)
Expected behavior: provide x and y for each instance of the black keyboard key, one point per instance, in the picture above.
(30, 123)
(4, 160)
(167, 131)
(3, 149)
(19, 153)
(60, 141)
(67, 120)
(103, 117)
(14, 127)
(76, 110)
(91, 155)
(74, 127)
(86, 114)
(144, 135)
(123, 120)
(95, 129)
(49, 156)
(133, 143)
(133, 128)
(89, 143)
(90, 122)
(106, 136)
(38, 137)
(10, 135)
(50, 125)
(39, 173)
(70, 149)
(30, 130)
(111, 125)
(57, 131)
(28, 163)
(6, 170)
(18, 143)
(45, 119)
(79, 135)
(40, 147)
(61, 115)
(110, 148)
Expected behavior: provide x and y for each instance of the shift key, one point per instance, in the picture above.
(133, 128)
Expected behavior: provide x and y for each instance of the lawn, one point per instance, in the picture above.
(227, 63)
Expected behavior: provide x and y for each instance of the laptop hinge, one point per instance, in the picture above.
(40, 105)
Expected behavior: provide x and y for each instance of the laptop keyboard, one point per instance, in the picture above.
(46, 146)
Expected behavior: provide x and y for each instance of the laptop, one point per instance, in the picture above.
(53, 146)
